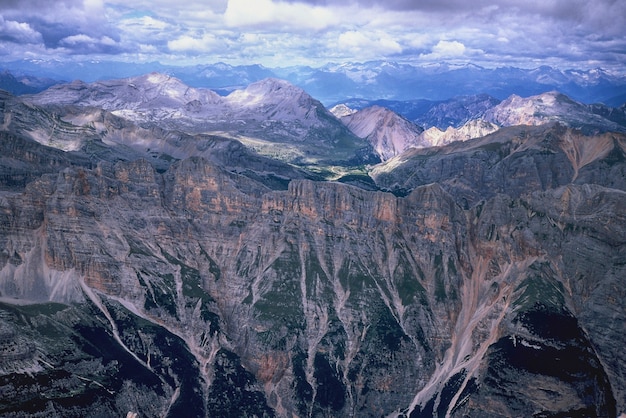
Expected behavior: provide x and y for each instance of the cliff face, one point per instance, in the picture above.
(200, 291)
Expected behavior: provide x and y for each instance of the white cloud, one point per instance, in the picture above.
(276, 15)
(146, 23)
(88, 40)
(206, 43)
(146, 30)
(449, 49)
(18, 32)
(444, 50)
(455, 51)
(417, 40)
(360, 43)
(147, 49)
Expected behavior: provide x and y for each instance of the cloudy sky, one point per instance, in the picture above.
(524, 33)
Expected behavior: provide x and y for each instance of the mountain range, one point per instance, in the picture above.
(277, 119)
(169, 251)
(334, 83)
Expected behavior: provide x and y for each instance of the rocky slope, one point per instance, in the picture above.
(453, 112)
(389, 133)
(488, 284)
(91, 135)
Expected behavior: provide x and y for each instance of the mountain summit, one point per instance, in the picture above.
(151, 95)
(389, 133)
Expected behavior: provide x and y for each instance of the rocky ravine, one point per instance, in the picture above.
(200, 292)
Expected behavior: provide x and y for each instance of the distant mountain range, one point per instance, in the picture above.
(24, 84)
(334, 83)
(279, 120)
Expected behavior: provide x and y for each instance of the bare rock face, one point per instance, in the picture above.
(389, 133)
(307, 299)
(488, 284)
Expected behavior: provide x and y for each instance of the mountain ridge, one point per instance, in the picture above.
(265, 114)
(277, 112)
(371, 80)
(391, 134)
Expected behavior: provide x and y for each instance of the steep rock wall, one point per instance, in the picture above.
(328, 300)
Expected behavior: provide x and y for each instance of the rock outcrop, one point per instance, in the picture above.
(476, 128)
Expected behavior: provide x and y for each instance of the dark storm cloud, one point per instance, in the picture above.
(391, 4)
(57, 20)
(599, 14)
(7, 5)
(558, 7)
(53, 32)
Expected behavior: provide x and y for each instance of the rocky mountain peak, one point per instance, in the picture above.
(341, 110)
(272, 85)
(547, 107)
(474, 128)
(269, 90)
(154, 78)
(389, 133)
(152, 92)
